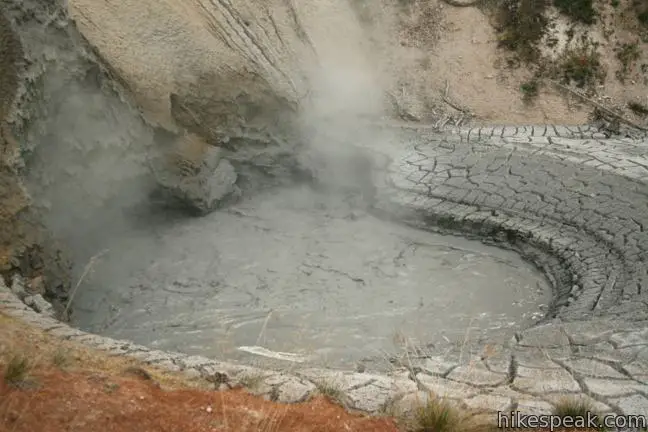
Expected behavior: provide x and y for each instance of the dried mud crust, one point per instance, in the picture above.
(571, 193)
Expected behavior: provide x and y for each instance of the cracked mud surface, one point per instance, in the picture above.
(306, 273)
(571, 200)
(579, 197)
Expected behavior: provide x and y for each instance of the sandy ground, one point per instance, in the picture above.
(467, 57)
(464, 58)
(442, 46)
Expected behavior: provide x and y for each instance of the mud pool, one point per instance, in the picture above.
(296, 276)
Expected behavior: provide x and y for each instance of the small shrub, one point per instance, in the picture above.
(582, 66)
(578, 10)
(638, 108)
(530, 90)
(17, 371)
(615, 3)
(111, 387)
(641, 10)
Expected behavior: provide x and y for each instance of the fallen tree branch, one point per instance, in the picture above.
(461, 4)
(400, 111)
(599, 106)
(449, 102)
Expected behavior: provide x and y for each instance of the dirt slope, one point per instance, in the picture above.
(430, 48)
(466, 59)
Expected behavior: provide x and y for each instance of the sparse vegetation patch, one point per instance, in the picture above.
(439, 415)
(521, 25)
(330, 390)
(641, 9)
(581, 66)
(525, 29)
(251, 381)
(530, 90)
(627, 54)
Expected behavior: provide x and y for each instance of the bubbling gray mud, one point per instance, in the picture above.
(308, 275)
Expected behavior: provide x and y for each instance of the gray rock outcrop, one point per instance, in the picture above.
(201, 185)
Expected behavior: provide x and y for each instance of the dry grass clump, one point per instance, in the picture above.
(331, 391)
(437, 414)
(575, 407)
(16, 373)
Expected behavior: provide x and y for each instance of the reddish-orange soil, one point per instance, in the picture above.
(59, 401)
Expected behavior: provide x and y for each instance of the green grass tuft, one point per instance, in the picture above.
(61, 359)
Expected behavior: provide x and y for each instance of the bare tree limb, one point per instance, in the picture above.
(456, 3)
(449, 102)
(599, 106)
